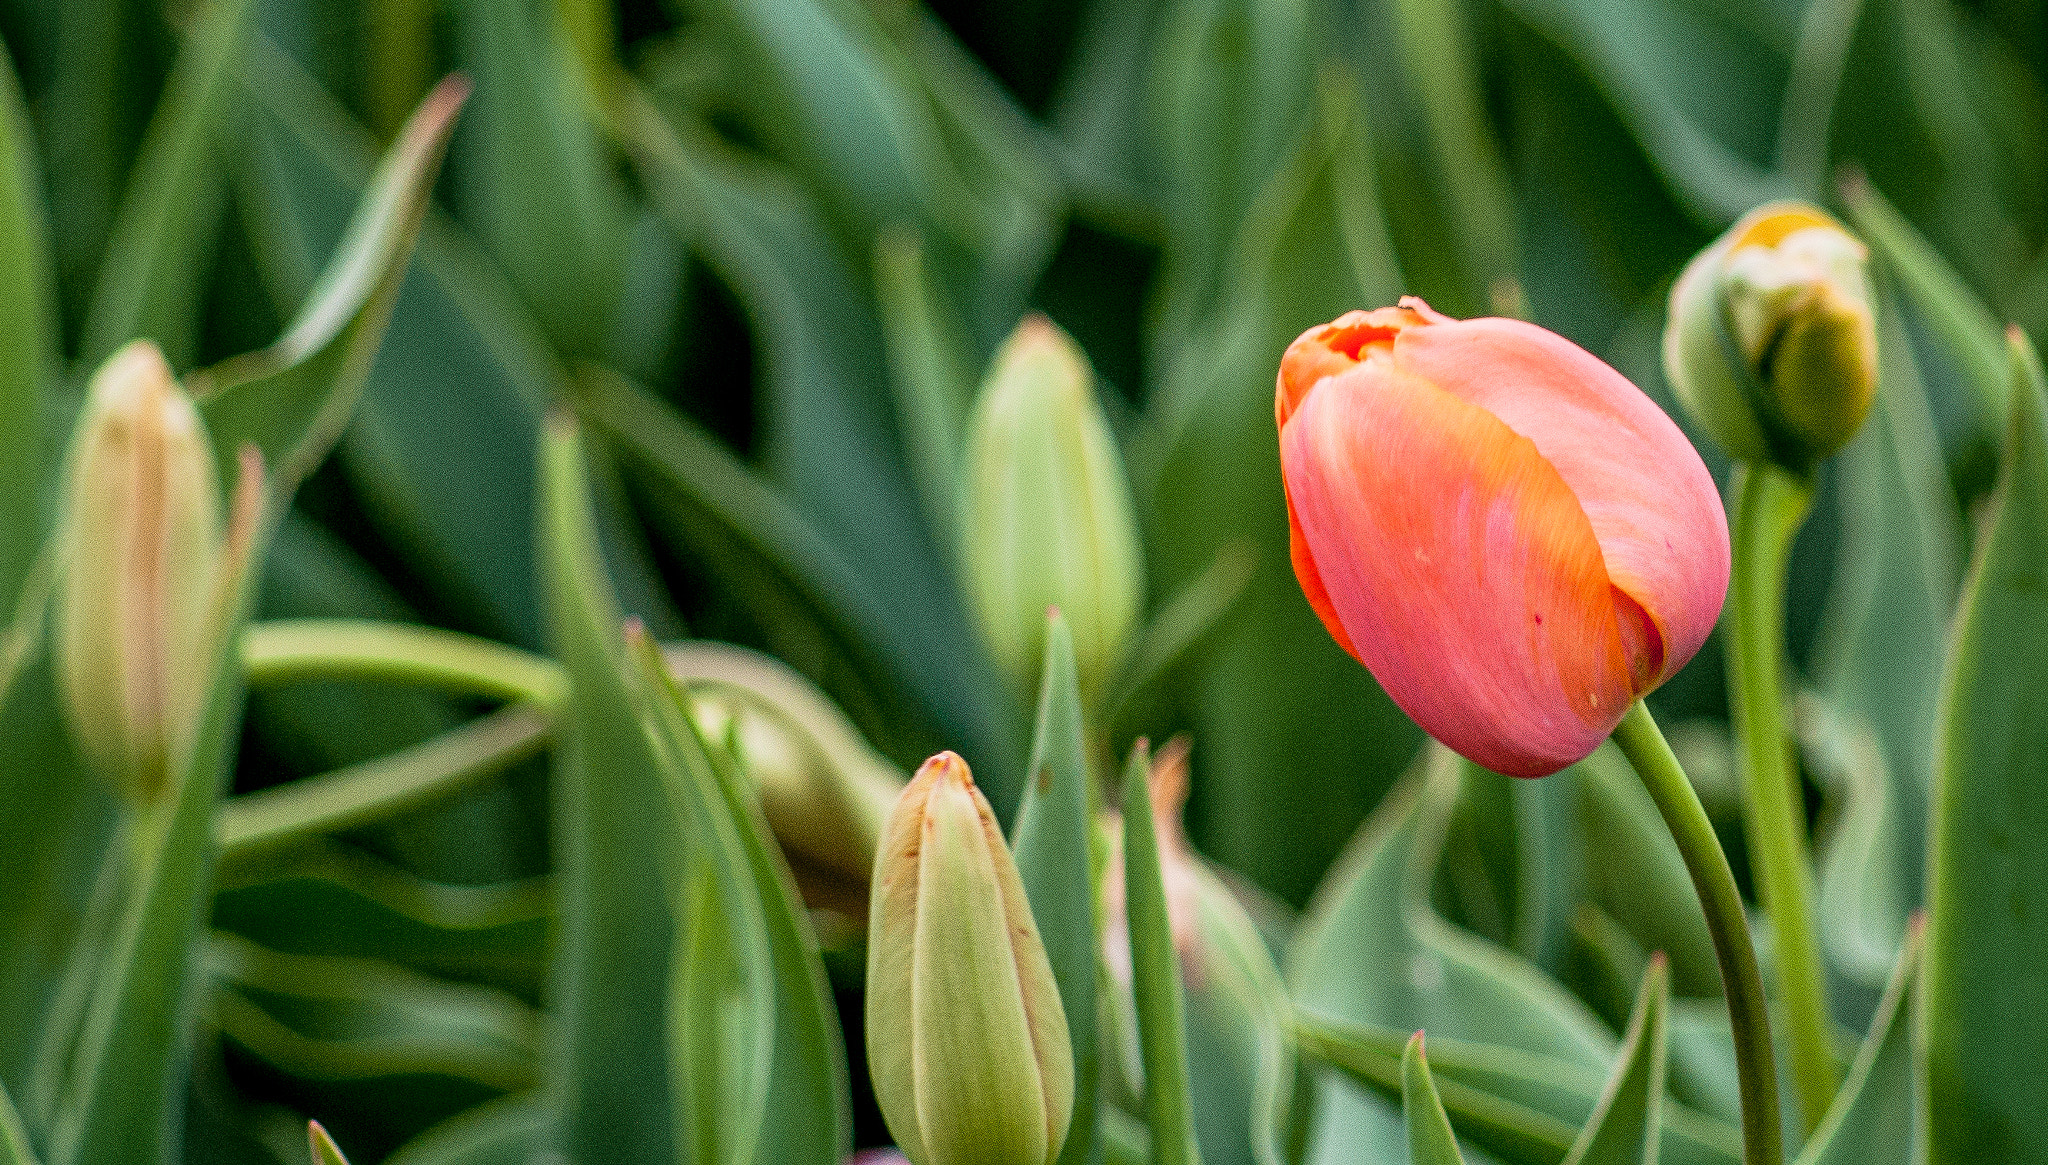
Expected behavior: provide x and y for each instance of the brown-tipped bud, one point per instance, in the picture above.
(967, 1042)
(141, 535)
(1770, 343)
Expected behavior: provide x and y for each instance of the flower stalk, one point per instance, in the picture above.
(1741, 982)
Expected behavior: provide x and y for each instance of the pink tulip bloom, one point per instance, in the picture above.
(1512, 538)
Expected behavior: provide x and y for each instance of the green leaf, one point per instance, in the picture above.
(293, 398)
(1625, 1128)
(505, 1131)
(325, 1151)
(1638, 876)
(1887, 614)
(118, 1077)
(14, 1146)
(1965, 326)
(1518, 1105)
(1372, 951)
(931, 369)
(538, 186)
(609, 1061)
(328, 1018)
(440, 451)
(808, 1106)
(1156, 975)
(1233, 86)
(1182, 625)
(156, 262)
(28, 359)
(1241, 1055)
(331, 899)
(1681, 81)
(1051, 846)
(1429, 1130)
(1987, 929)
(1871, 1120)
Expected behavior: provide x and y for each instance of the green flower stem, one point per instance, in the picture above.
(375, 789)
(1769, 506)
(293, 650)
(1741, 982)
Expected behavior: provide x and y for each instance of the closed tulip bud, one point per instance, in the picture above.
(967, 1043)
(1510, 536)
(1770, 342)
(1046, 517)
(141, 539)
(823, 789)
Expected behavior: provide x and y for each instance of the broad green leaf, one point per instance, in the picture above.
(609, 1059)
(1968, 333)
(14, 1146)
(1634, 872)
(119, 1082)
(506, 1131)
(1372, 951)
(1517, 1105)
(440, 450)
(1887, 615)
(322, 1017)
(1871, 1121)
(325, 1151)
(537, 184)
(1241, 1056)
(1051, 845)
(292, 399)
(808, 1107)
(28, 359)
(1987, 928)
(721, 1007)
(157, 257)
(1181, 626)
(1156, 975)
(1626, 1126)
(1430, 1141)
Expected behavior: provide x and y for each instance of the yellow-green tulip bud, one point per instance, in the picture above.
(1770, 342)
(967, 1043)
(141, 539)
(1046, 516)
(824, 790)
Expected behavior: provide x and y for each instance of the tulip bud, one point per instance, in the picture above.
(1770, 342)
(1046, 516)
(967, 1042)
(824, 791)
(1510, 536)
(141, 539)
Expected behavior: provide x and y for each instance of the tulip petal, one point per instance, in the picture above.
(1463, 566)
(1652, 505)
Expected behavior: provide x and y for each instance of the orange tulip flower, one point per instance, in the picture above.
(1512, 538)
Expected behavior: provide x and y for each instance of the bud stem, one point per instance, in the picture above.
(1768, 507)
(1741, 982)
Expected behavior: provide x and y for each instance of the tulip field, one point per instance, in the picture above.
(1048, 582)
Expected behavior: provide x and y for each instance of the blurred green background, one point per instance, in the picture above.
(765, 248)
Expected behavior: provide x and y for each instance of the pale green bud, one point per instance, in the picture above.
(142, 538)
(825, 792)
(1046, 516)
(967, 1043)
(1770, 343)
